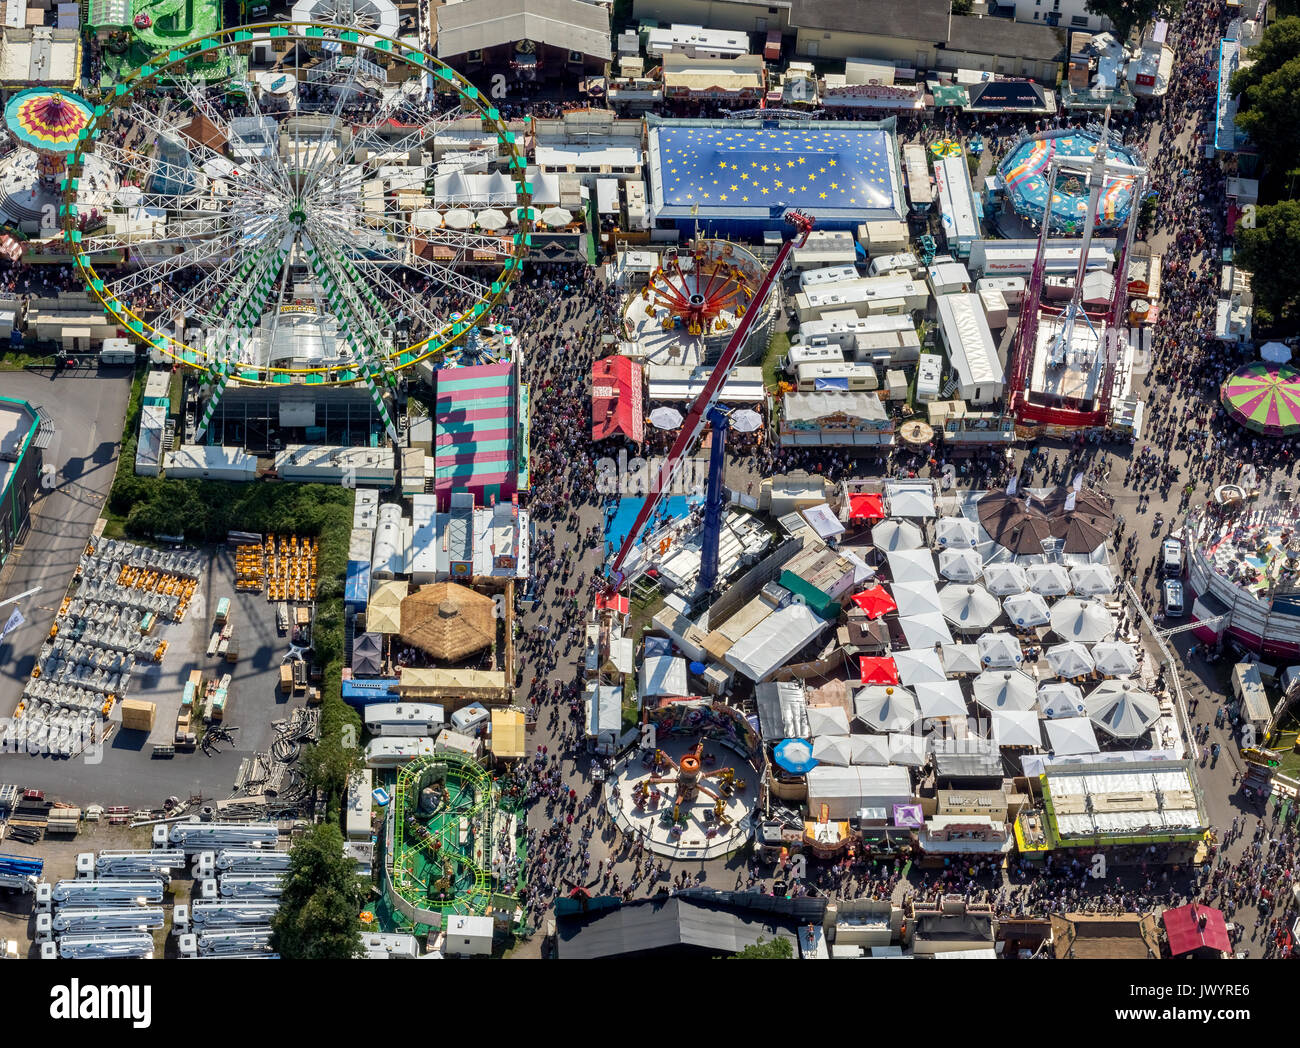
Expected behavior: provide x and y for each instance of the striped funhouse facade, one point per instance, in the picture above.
(480, 439)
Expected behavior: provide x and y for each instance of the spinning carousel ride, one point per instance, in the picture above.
(693, 301)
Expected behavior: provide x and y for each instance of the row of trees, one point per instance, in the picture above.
(1269, 92)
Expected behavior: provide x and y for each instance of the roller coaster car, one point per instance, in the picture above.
(1263, 758)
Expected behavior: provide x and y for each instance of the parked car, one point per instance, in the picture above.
(1172, 591)
(1171, 558)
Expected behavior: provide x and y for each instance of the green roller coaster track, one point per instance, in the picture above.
(472, 779)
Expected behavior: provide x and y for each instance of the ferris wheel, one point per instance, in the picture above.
(287, 203)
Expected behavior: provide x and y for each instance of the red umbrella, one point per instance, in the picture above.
(875, 601)
(866, 507)
(877, 670)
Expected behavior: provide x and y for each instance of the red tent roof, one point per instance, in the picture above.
(617, 602)
(877, 669)
(616, 399)
(1193, 926)
(874, 601)
(866, 507)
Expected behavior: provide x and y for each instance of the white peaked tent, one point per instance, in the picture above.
(925, 631)
(1122, 709)
(1069, 660)
(940, 699)
(885, 709)
(1114, 658)
(869, 749)
(827, 720)
(1092, 580)
(969, 607)
(1027, 610)
(1086, 621)
(1017, 728)
(910, 499)
(918, 666)
(907, 749)
(890, 535)
(916, 598)
(960, 565)
(911, 565)
(833, 749)
(999, 651)
(1050, 580)
(1275, 352)
(1005, 690)
(1002, 580)
(1058, 699)
(962, 658)
(1071, 737)
(956, 533)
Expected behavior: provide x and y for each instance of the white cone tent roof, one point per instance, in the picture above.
(925, 631)
(1114, 658)
(833, 749)
(1017, 728)
(960, 565)
(1002, 580)
(1086, 621)
(940, 699)
(885, 709)
(911, 565)
(1005, 690)
(907, 749)
(827, 720)
(956, 533)
(1050, 580)
(1122, 709)
(890, 534)
(918, 666)
(917, 598)
(869, 749)
(1027, 609)
(962, 658)
(1069, 660)
(999, 651)
(1058, 699)
(1092, 580)
(1071, 737)
(969, 607)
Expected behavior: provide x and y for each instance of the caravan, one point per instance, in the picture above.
(842, 376)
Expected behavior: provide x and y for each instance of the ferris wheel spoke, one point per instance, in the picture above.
(313, 174)
(407, 300)
(192, 256)
(198, 94)
(358, 309)
(180, 232)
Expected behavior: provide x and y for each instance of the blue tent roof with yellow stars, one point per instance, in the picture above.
(839, 171)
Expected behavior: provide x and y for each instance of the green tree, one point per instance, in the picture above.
(329, 763)
(1270, 95)
(778, 949)
(323, 896)
(1268, 253)
(1127, 15)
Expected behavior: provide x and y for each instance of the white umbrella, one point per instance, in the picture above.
(917, 598)
(1017, 728)
(491, 220)
(885, 709)
(833, 749)
(1002, 580)
(960, 565)
(827, 720)
(1005, 690)
(962, 658)
(942, 699)
(869, 749)
(911, 565)
(1069, 660)
(890, 535)
(907, 749)
(1058, 699)
(1027, 609)
(1275, 352)
(1122, 709)
(556, 217)
(1092, 580)
(969, 607)
(746, 420)
(926, 630)
(999, 651)
(1114, 658)
(956, 533)
(426, 218)
(918, 666)
(665, 418)
(1050, 580)
(1072, 736)
(458, 218)
(1075, 618)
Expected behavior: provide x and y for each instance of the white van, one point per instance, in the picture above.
(467, 719)
(887, 264)
(929, 373)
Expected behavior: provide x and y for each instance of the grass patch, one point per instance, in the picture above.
(16, 360)
(776, 349)
(642, 613)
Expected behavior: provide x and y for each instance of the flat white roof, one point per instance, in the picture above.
(968, 339)
(563, 156)
(956, 198)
